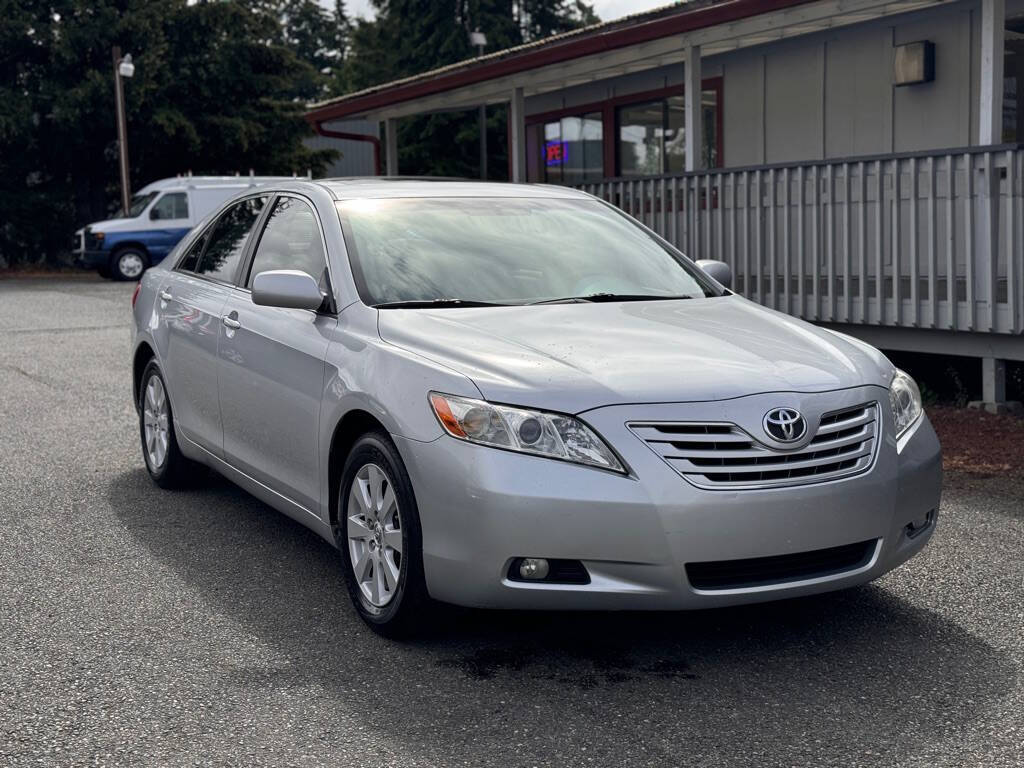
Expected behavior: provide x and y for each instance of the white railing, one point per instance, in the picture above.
(926, 240)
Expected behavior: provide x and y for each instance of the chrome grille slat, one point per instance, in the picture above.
(866, 416)
(864, 433)
(652, 434)
(789, 464)
(716, 455)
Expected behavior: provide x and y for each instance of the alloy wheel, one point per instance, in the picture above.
(374, 531)
(156, 422)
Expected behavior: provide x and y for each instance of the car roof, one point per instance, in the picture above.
(401, 186)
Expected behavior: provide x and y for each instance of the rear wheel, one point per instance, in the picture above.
(378, 533)
(166, 464)
(129, 264)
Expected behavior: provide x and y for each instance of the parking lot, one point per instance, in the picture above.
(145, 627)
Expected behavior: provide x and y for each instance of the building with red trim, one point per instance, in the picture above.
(856, 162)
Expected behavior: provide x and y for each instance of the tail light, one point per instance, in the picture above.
(135, 293)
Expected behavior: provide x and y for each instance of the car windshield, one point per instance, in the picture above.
(462, 251)
(139, 203)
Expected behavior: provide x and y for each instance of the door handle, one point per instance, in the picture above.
(165, 295)
(230, 322)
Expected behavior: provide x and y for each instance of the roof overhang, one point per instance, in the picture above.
(637, 43)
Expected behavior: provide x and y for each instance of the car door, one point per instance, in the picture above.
(190, 307)
(169, 218)
(271, 367)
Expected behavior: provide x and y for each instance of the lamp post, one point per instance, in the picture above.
(479, 39)
(123, 67)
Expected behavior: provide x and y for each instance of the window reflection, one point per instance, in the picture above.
(652, 135)
(566, 151)
(220, 260)
(290, 240)
(509, 250)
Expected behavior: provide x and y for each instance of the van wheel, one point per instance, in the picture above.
(129, 263)
(377, 530)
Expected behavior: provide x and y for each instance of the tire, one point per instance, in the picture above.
(359, 536)
(128, 263)
(166, 464)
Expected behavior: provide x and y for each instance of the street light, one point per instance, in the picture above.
(126, 68)
(479, 39)
(123, 67)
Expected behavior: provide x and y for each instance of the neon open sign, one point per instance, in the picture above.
(556, 153)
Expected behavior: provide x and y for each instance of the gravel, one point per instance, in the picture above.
(144, 627)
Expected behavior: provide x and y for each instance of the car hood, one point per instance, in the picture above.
(575, 357)
(119, 225)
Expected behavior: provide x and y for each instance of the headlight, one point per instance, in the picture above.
(518, 429)
(905, 398)
(93, 240)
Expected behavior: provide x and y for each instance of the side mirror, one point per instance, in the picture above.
(716, 270)
(154, 214)
(290, 288)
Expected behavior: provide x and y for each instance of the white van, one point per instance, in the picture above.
(161, 214)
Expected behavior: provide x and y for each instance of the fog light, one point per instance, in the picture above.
(914, 527)
(533, 568)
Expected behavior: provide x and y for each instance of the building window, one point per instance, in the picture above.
(652, 135)
(1013, 81)
(566, 151)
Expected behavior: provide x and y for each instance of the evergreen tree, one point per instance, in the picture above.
(219, 87)
(408, 37)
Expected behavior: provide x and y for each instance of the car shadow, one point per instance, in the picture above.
(812, 676)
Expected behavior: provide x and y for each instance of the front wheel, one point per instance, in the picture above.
(377, 531)
(129, 264)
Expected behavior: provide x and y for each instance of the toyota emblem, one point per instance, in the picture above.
(785, 425)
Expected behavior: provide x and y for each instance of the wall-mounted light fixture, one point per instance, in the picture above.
(914, 63)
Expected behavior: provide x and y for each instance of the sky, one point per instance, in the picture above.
(606, 9)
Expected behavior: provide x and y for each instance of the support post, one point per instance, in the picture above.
(990, 107)
(122, 132)
(691, 107)
(391, 148)
(483, 142)
(993, 388)
(517, 136)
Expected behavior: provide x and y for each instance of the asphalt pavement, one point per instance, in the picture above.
(154, 628)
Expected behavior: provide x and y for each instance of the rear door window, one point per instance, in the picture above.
(195, 250)
(228, 237)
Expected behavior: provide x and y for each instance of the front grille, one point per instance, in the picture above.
(723, 456)
(780, 569)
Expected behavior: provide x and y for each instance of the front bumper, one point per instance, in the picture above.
(91, 259)
(481, 507)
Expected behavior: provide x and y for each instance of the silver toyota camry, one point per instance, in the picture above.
(516, 396)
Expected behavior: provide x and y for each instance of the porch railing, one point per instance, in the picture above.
(927, 240)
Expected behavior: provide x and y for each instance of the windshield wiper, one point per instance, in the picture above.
(434, 303)
(599, 297)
